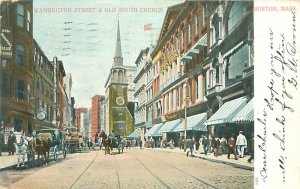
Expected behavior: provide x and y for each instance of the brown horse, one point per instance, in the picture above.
(107, 142)
(42, 145)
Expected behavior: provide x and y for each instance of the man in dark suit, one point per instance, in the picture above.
(251, 149)
(231, 147)
(10, 142)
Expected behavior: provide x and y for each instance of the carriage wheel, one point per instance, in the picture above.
(55, 155)
(30, 158)
(65, 152)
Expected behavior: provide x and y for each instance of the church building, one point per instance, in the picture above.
(118, 117)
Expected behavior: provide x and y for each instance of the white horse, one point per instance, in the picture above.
(21, 144)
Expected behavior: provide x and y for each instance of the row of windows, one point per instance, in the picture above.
(43, 63)
(21, 17)
(236, 14)
(23, 90)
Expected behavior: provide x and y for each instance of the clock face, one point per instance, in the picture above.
(41, 115)
(120, 100)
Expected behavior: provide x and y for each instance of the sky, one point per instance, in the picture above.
(82, 33)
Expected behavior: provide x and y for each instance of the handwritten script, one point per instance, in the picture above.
(278, 102)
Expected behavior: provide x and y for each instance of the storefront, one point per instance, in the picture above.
(222, 123)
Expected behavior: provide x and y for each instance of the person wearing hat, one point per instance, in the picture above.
(10, 142)
(241, 143)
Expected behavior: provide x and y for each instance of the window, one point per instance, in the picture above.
(18, 124)
(20, 54)
(196, 24)
(236, 13)
(20, 15)
(28, 21)
(216, 29)
(177, 96)
(196, 87)
(182, 40)
(19, 89)
(29, 89)
(236, 65)
(38, 83)
(3, 84)
(203, 15)
(189, 33)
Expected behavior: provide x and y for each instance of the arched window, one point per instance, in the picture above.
(236, 13)
(236, 64)
(189, 33)
(115, 75)
(196, 24)
(216, 28)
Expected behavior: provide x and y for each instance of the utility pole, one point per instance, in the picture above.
(185, 113)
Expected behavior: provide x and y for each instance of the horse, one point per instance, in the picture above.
(21, 144)
(107, 142)
(42, 145)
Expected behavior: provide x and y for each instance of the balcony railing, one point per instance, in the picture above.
(216, 88)
(169, 82)
(248, 71)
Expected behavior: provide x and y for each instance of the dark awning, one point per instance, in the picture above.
(227, 111)
(195, 122)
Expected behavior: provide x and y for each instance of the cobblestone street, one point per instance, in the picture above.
(134, 168)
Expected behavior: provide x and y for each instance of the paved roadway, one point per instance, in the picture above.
(134, 168)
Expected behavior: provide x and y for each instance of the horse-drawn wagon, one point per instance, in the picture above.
(50, 141)
(73, 142)
(111, 142)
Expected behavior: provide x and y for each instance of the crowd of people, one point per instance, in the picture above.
(209, 144)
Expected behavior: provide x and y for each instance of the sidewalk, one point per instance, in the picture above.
(7, 162)
(240, 163)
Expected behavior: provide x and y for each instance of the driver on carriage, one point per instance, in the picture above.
(112, 134)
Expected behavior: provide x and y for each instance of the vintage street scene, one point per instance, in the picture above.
(127, 94)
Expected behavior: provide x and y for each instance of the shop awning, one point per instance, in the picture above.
(246, 114)
(227, 111)
(154, 130)
(169, 126)
(134, 134)
(195, 123)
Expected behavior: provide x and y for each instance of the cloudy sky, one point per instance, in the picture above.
(82, 33)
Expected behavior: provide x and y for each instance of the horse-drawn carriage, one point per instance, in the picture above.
(45, 142)
(55, 143)
(110, 142)
(73, 142)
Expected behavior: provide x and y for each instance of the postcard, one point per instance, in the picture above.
(149, 94)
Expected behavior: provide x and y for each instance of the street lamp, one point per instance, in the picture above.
(185, 112)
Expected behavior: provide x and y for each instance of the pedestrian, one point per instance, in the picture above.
(1, 142)
(210, 143)
(251, 149)
(10, 142)
(231, 147)
(205, 143)
(200, 148)
(141, 143)
(194, 144)
(215, 145)
(223, 145)
(241, 143)
(190, 145)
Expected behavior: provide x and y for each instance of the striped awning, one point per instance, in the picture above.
(227, 111)
(154, 130)
(195, 123)
(246, 114)
(169, 126)
(134, 134)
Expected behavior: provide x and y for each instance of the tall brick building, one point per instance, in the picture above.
(96, 115)
(78, 112)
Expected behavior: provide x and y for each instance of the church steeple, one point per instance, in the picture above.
(118, 59)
